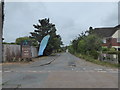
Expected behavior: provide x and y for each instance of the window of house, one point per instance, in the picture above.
(104, 40)
(118, 39)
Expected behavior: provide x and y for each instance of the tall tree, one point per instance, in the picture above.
(87, 44)
(46, 28)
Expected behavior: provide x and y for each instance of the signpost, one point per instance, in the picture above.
(26, 50)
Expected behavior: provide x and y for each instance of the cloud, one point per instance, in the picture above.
(19, 18)
(70, 18)
(111, 19)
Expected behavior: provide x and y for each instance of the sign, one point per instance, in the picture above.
(26, 42)
(26, 51)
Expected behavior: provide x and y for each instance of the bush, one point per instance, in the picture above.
(105, 49)
(94, 54)
(71, 50)
(82, 46)
(112, 49)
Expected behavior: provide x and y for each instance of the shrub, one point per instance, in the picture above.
(94, 54)
(105, 49)
(112, 49)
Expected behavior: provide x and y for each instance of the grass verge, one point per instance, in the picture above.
(103, 63)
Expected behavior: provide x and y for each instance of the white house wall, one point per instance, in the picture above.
(116, 46)
(116, 34)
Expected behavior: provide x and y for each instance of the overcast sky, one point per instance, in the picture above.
(70, 18)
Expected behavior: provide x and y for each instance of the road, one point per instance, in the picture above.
(63, 71)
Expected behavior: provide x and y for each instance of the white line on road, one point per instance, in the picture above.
(113, 71)
(49, 71)
(102, 71)
(7, 71)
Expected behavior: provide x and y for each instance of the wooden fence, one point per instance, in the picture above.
(112, 58)
(13, 52)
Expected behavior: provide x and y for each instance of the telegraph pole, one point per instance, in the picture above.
(1, 28)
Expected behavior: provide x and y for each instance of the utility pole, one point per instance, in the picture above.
(1, 28)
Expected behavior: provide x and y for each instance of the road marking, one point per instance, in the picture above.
(7, 71)
(102, 71)
(39, 71)
(84, 68)
(95, 70)
(99, 69)
(34, 71)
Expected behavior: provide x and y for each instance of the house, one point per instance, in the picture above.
(110, 35)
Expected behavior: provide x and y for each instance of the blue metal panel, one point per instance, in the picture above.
(43, 45)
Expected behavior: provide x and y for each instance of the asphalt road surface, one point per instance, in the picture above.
(60, 71)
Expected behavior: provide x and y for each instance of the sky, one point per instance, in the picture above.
(70, 18)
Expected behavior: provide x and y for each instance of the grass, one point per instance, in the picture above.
(103, 63)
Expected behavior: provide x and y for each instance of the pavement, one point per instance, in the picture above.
(59, 71)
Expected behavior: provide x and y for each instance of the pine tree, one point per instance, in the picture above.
(46, 28)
